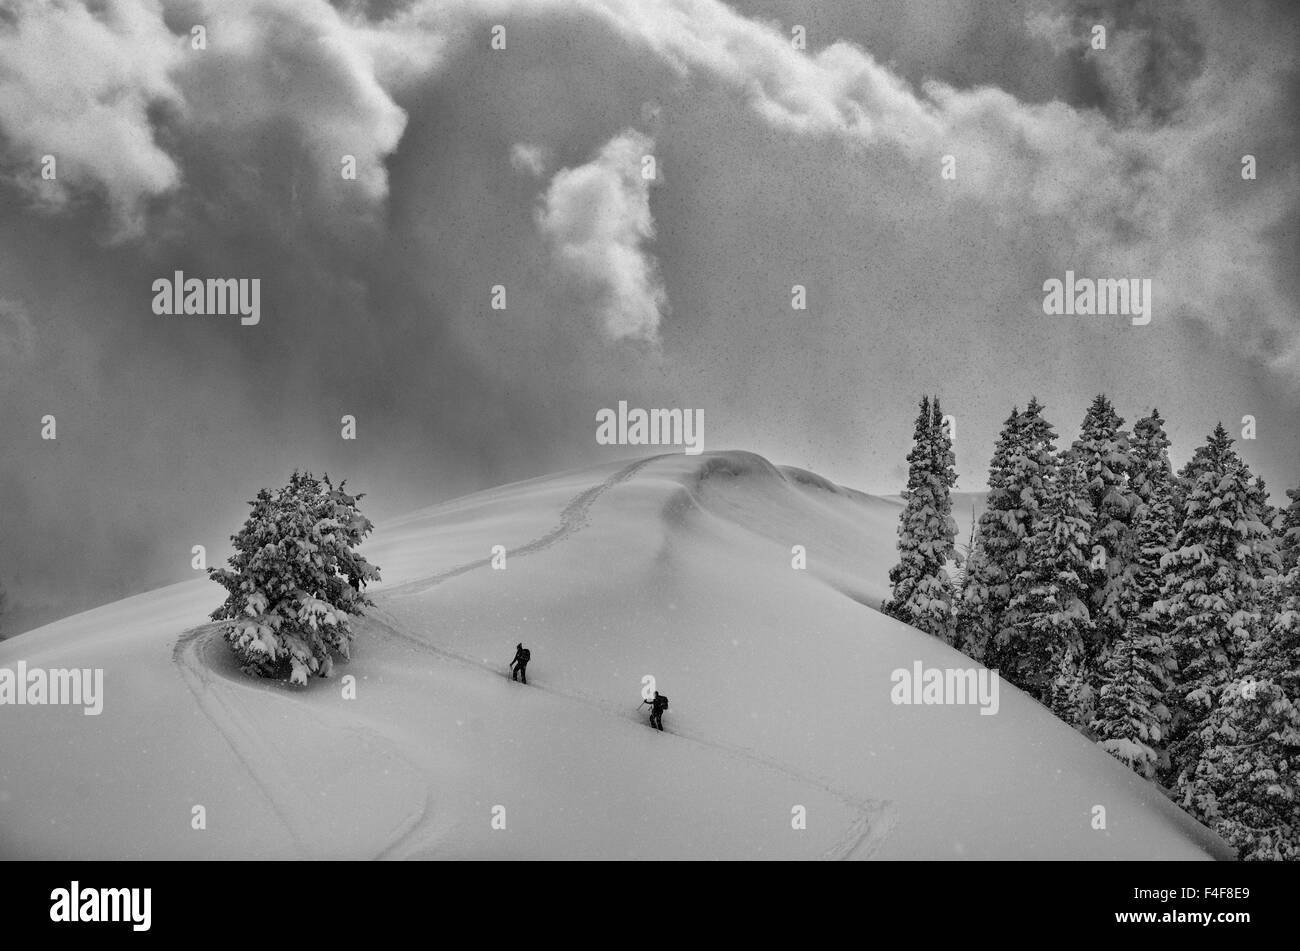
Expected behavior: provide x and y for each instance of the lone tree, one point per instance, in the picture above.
(294, 579)
(922, 590)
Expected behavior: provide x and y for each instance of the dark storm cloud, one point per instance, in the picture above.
(478, 169)
(1152, 56)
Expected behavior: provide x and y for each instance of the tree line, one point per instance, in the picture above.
(1157, 612)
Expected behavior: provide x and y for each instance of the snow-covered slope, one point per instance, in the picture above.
(677, 567)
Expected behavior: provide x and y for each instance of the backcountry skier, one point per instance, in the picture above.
(657, 707)
(517, 666)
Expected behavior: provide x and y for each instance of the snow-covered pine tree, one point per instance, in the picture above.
(1050, 621)
(1149, 456)
(1029, 483)
(905, 575)
(986, 587)
(1069, 696)
(922, 593)
(944, 543)
(1132, 715)
(294, 579)
(1247, 781)
(1289, 534)
(1154, 524)
(1213, 592)
(1186, 479)
(1103, 458)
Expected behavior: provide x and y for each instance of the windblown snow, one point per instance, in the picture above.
(782, 740)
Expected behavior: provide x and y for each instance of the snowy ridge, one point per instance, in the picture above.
(673, 566)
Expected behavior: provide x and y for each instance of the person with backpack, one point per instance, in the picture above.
(518, 666)
(657, 707)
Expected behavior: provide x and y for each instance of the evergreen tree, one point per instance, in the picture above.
(1029, 485)
(922, 591)
(1247, 781)
(1050, 621)
(1149, 457)
(1132, 718)
(1212, 591)
(294, 579)
(1070, 699)
(1103, 459)
(1289, 535)
(1186, 480)
(1154, 524)
(986, 588)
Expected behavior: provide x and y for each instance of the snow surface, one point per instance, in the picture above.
(674, 566)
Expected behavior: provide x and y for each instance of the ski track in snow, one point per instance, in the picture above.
(219, 702)
(573, 519)
(218, 698)
(223, 709)
(861, 839)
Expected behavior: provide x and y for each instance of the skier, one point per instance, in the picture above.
(657, 707)
(517, 666)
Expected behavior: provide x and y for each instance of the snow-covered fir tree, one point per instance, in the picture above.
(1289, 534)
(1070, 696)
(294, 579)
(1149, 457)
(1213, 592)
(1154, 523)
(1247, 781)
(1132, 716)
(986, 586)
(922, 590)
(1031, 465)
(1103, 459)
(1050, 621)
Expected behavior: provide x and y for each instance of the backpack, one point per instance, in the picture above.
(663, 702)
(525, 656)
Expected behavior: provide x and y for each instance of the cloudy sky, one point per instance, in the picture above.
(523, 167)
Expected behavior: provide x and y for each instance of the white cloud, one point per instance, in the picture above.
(300, 64)
(1124, 194)
(78, 85)
(597, 219)
(84, 87)
(528, 158)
